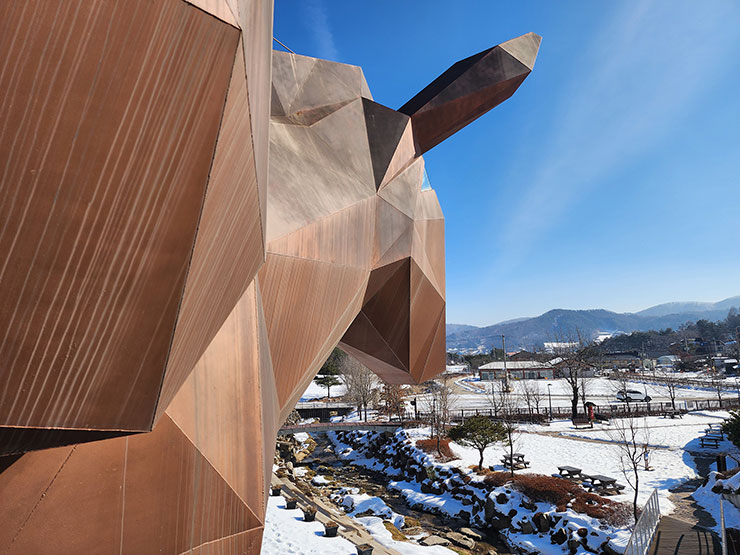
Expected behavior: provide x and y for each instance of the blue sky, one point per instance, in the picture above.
(609, 180)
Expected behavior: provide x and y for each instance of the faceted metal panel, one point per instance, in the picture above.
(470, 88)
(147, 493)
(149, 233)
(110, 121)
(229, 248)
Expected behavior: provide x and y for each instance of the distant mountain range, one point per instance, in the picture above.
(560, 324)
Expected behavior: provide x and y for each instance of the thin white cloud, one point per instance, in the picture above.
(318, 21)
(642, 73)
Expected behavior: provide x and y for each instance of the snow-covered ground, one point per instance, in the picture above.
(662, 432)
(709, 501)
(599, 390)
(670, 460)
(316, 391)
(382, 535)
(286, 533)
(450, 504)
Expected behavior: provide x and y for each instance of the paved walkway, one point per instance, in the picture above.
(678, 537)
(348, 528)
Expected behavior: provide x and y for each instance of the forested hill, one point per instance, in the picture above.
(564, 325)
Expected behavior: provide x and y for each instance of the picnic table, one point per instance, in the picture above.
(714, 430)
(710, 441)
(671, 413)
(604, 485)
(570, 472)
(515, 460)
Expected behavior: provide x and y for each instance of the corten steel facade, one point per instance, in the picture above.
(189, 224)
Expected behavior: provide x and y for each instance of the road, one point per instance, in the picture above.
(600, 391)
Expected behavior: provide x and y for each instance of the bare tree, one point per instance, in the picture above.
(393, 399)
(718, 384)
(620, 382)
(671, 386)
(576, 354)
(585, 385)
(439, 404)
(507, 416)
(532, 396)
(493, 397)
(360, 382)
(631, 436)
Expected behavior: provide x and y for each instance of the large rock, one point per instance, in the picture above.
(542, 522)
(434, 540)
(472, 534)
(489, 509)
(500, 522)
(502, 498)
(607, 549)
(526, 526)
(527, 504)
(460, 540)
(559, 537)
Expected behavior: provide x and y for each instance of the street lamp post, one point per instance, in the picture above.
(507, 387)
(549, 398)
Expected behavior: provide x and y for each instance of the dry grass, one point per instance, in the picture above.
(561, 492)
(396, 534)
(430, 446)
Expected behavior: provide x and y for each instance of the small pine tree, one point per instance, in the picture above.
(327, 382)
(731, 427)
(478, 432)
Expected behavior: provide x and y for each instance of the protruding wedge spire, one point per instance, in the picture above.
(468, 89)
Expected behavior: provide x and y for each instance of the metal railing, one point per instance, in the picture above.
(642, 535)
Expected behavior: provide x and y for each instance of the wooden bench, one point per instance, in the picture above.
(603, 485)
(581, 421)
(518, 461)
(604, 489)
(710, 441)
(570, 472)
(673, 414)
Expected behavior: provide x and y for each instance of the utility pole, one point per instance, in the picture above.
(507, 387)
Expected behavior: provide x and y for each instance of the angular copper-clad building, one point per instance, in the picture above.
(189, 224)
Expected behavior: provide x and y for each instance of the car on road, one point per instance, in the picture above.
(627, 395)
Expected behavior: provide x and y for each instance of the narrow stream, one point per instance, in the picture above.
(324, 461)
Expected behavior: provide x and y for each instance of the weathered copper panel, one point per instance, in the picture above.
(470, 88)
(229, 247)
(217, 8)
(21, 440)
(219, 407)
(244, 543)
(23, 481)
(164, 472)
(255, 20)
(130, 127)
(109, 120)
(141, 494)
(83, 492)
(308, 305)
(344, 237)
(385, 129)
(426, 309)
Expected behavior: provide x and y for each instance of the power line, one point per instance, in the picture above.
(281, 44)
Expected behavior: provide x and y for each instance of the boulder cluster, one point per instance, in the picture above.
(502, 509)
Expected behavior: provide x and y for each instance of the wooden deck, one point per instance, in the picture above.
(677, 537)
